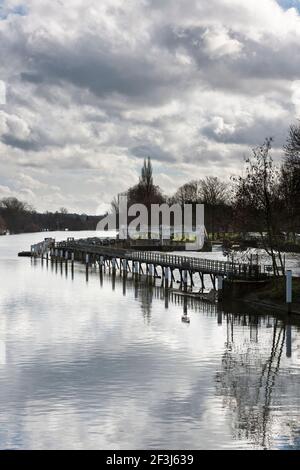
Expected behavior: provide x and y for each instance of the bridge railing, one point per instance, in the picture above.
(174, 261)
(42, 247)
(198, 264)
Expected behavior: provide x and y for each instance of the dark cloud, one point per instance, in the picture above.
(251, 134)
(248, 72)
(85, 64)
(26, 145)
(193, 84)
(153, 151)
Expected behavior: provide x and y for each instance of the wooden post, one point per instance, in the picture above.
(151, 270)
(289, 288)
(220, 288)
(202, 281)
(87, 260)
(167, 277)
(72, 265)
(185, 280)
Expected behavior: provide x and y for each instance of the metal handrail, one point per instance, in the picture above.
(176, 261)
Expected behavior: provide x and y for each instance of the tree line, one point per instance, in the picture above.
(19, 217)
(264, 199)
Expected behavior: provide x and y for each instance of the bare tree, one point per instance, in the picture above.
(213, 193)
(2, 225)
(290, 180)
(145, 192)
(13, 204)
(187, 194)
(292, 147)
(15, 213)
(256, 196)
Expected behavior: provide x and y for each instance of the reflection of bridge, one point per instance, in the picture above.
(148, 263)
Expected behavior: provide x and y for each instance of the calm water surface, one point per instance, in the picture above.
(110, 364)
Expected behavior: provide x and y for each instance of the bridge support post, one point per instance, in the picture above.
(61, 256)
(127, 268)
(113, 264)
(213, 281)
(72, 263)
(101, 263)
(185, 280)
(101, 273)
(167, 277)
(87, 260)
(202, 281)
(172, 277)
(141, 268)
(220, 287)
(151, 271)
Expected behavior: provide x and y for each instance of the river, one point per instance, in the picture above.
(107, 364)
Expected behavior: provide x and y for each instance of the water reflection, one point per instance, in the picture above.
(249, 377)
(110, 363)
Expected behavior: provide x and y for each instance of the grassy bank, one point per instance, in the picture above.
(275, 290)
(274, 294)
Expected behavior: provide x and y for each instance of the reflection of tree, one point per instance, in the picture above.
(247, 381)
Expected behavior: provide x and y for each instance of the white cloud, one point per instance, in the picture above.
(2, 92)
(218, 43)
(295, 87)
(94, 88)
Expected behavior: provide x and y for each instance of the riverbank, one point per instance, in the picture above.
(272, 295)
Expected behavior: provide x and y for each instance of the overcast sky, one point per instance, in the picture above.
(95, 86)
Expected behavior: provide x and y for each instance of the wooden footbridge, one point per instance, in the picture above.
(95, 251)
